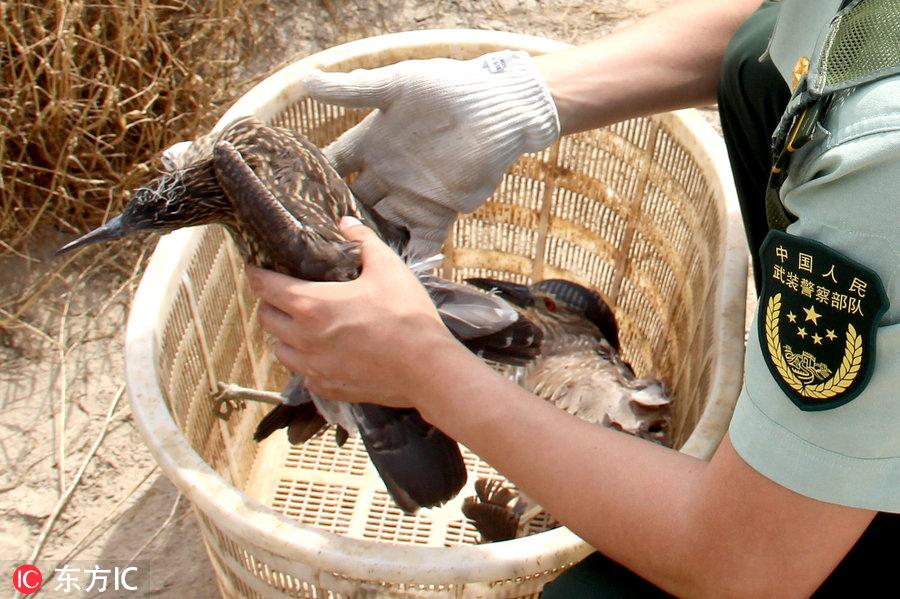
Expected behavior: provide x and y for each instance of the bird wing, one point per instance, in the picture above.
(302, 421)
(285, 237)
(295, 172)
(576, 382)
(291, 190)
(485, 323)
(420, 465)
(491, 510)
(586, 384)
(498, 512)
(299, 164)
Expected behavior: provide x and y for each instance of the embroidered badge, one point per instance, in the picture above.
(817, 318)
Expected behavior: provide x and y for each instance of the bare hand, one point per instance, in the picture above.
(348, 339)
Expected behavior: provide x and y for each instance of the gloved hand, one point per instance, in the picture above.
(442, 136)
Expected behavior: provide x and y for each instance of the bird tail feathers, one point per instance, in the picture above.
(420, 465)
(302, 421)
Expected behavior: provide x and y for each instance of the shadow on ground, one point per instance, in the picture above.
(169, 564)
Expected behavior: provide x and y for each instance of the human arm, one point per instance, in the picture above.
(670, 59)
(690, 527)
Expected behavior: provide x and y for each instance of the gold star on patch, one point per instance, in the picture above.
(802, 332)
(792, 317)
(816, 339)
(830, 334)
(812, 315)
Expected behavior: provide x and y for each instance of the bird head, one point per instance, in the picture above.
(182, 198)
(515, 293)
(557, 300)
(569, 298)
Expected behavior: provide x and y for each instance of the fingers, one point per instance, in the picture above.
(291, 347)
(375, 254)
(315, 381)
(361, 88)
(309, 301)
(279, 323)
(281, 291)
(293, 359)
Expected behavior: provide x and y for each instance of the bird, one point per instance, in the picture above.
(580, 370)
(276, 194)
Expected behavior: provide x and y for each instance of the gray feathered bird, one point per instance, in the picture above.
(281, 201)
(580, 371)
(579, 368)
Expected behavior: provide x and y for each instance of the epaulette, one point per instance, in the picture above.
(861, 45)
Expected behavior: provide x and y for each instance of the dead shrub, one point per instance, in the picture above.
(92, 91)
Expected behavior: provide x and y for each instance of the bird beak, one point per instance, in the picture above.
(113, 229)
(514, 293)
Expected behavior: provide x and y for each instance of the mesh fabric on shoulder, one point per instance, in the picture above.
(864, 44)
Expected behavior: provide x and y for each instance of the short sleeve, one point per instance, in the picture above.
(844, 187)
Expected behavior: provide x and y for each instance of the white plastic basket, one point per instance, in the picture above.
(642, 211)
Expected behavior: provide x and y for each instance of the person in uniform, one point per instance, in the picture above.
(802, 495)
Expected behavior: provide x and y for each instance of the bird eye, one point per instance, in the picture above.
(550, 304)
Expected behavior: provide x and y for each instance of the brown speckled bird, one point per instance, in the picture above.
(276, 194)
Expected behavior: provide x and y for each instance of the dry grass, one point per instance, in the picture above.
(92, 91)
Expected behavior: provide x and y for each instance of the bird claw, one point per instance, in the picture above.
(227, 399)
(230, 397)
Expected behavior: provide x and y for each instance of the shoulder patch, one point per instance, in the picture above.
(818, 313)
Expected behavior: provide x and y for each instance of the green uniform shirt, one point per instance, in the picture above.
(844, 187)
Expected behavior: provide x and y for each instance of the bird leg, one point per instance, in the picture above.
(230, 397)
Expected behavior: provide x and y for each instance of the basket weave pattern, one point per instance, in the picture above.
(634, 211)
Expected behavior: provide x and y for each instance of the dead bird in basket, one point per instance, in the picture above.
(579, 370)
(281, 201)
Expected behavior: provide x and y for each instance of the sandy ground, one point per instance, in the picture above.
(62, 354)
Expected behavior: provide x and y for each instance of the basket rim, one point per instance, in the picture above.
(260, 526)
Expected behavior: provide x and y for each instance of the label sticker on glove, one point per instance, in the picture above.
(495, 63)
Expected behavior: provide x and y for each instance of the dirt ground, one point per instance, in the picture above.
(65, 425)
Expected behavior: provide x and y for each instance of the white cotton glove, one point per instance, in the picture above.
(442, 136)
